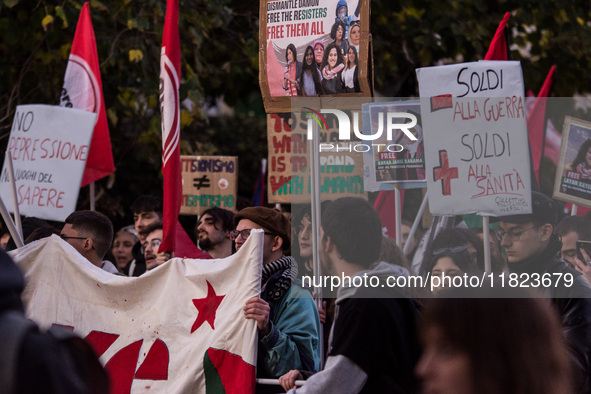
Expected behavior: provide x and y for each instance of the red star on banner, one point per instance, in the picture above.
(206, 308)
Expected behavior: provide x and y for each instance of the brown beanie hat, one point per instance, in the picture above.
(270, 219)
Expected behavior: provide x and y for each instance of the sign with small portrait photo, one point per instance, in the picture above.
(573, 175)
(313, 48)
(208, 181)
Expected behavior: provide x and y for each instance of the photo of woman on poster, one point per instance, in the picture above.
(308, 80)
(337, 33)
(354, 34)
(582, 163)
(291, 71)
(350, 73)
(332, 68)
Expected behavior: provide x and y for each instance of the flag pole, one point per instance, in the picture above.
(92, 197)
(17, 214)
(573, 211)
(398, 214)
(486, 240)
(415, 225)
(315, 211)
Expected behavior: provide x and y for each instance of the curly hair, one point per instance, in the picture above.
(329, 48)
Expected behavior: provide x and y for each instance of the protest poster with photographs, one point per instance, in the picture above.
(400, 160)
(208, 181)
(313, 48)
(573, 175)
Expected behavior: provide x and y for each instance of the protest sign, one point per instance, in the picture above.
(208, 181)
(573, 175)
(400, 160)
(475, 132)
(49, 147)
(292, 29)
(341, 173)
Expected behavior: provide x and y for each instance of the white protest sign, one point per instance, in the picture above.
(476, 144)
(49, 147)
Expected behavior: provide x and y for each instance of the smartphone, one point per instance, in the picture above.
(583, 245)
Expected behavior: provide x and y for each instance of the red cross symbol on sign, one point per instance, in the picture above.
(444, 173)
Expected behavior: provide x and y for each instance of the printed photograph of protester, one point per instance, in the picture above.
(402, 158)
(573, 176)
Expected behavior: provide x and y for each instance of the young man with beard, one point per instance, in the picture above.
(146, 210)
(373, 346)
(213, 232)
(286, 315)
(533, 251)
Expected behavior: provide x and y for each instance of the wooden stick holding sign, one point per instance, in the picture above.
(486, 240)
(415, 225)
(398, 213)
(17, 214)
(18, 240)
(573, 211)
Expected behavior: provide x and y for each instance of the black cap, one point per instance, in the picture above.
(544, 209)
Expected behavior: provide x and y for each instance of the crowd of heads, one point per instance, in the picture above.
(466, 345)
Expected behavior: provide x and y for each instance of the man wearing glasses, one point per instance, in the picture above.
(91, 234)
(286, 315)
(152, 235)
(534, 249)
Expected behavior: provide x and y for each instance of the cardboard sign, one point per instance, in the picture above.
(289, 157)
(476, 145)
(208, 181)
(289, 27)
(400, 160)
(49, 147)
(573, 175)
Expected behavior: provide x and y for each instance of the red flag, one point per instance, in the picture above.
(170, 75)
(553, 142)
(386, 207)
(498, 45)
(83, 90)
(536, 124)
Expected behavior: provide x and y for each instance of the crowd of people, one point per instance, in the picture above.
(378, 337)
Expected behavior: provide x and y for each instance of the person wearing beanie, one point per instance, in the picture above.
(286, 315)
(533, 251)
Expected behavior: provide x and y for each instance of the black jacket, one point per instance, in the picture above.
(573, 304)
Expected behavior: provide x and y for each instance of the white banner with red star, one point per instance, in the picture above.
(179, 328)
(475, 135)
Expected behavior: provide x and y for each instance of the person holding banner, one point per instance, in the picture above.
(291, 71)
(309, 78)
(332, 67)
(285, 313)
(90, 233)
(374, 345)
(350, 73)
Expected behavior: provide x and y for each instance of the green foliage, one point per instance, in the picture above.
(410, 34)
(219, 41)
